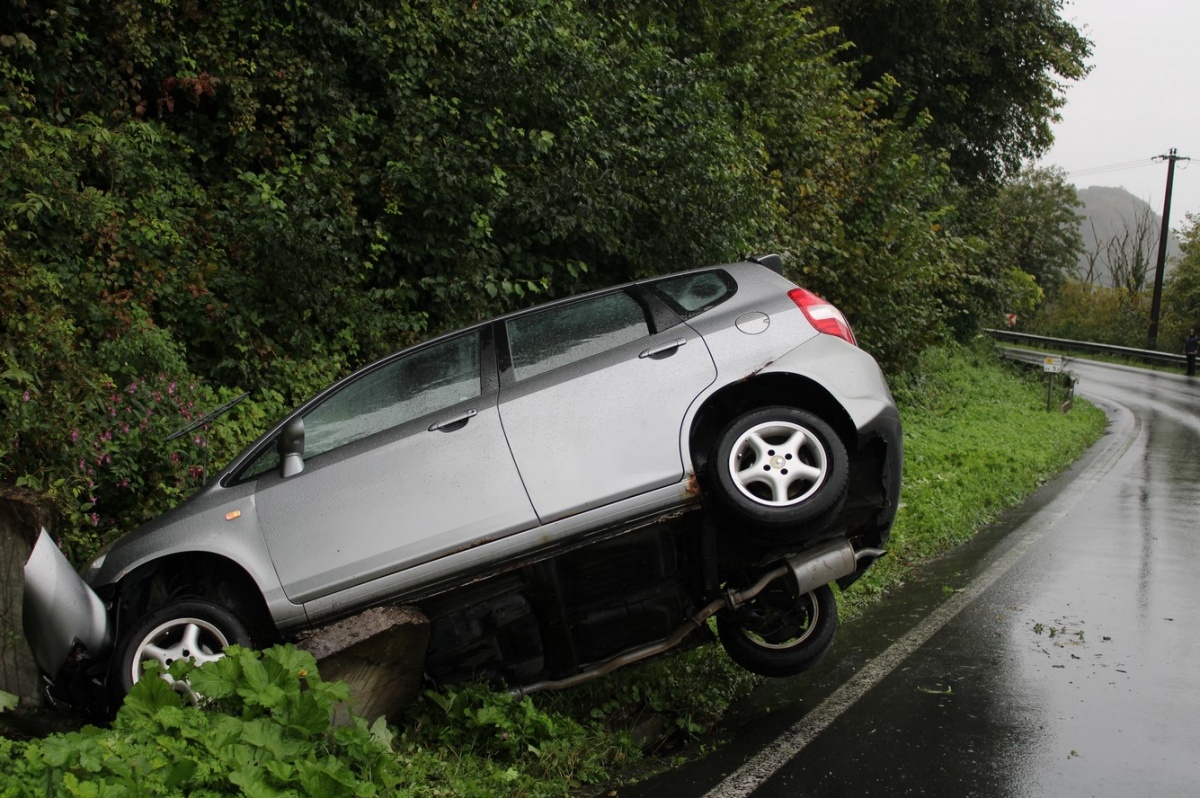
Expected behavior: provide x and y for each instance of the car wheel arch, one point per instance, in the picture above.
(202, 575)
(764, 390)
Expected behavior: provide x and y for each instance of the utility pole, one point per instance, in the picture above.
(1163, 237)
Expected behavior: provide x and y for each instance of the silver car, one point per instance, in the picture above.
(561, 491)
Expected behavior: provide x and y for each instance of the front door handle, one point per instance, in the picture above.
(451, 424)
(664, 348)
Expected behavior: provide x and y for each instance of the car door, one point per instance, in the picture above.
(593, 396)
(405, 464)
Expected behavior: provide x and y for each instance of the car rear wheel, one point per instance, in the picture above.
(778, 633)
(189, 629)
(781, 467)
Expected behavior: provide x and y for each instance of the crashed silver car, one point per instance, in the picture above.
(560, 491)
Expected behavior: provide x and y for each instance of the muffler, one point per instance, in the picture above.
(822, 565)
(808, 571)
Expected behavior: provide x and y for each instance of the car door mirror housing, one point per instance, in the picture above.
(291, 448)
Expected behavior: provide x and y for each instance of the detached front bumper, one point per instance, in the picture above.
(62, 615)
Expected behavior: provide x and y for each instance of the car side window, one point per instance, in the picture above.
(559, 336)
(414, 385)
(428, 380)
(696, 293)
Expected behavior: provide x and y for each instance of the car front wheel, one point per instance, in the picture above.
(778, 633)
(191, 629)
(781, 467)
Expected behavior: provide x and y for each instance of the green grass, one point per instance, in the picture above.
(978, 439)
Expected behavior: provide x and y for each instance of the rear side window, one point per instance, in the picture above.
(563, 335)
(696, 293)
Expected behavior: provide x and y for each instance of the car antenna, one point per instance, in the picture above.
(205, 419)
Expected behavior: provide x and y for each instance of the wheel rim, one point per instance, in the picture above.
(194, 639)
(778, 463)
(779, 620)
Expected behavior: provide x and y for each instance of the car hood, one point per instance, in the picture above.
(60, 611)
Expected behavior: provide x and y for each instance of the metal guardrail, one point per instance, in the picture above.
(1039, 361)
(1145, 355)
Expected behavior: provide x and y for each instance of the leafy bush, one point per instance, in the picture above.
(1106, 315)
(1181, 294)
(266, 731)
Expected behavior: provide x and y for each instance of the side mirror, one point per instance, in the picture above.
(291, 448)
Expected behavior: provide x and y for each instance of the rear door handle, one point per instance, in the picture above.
(457, 422)
(664, 348)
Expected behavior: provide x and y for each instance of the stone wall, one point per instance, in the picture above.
(20, 520)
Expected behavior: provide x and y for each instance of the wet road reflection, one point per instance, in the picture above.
(1062, 656)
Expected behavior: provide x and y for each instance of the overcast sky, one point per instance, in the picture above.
(1141, 99)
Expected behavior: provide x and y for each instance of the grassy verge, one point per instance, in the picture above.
(978, 439)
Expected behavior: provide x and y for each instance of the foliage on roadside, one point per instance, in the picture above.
(265, 729)
(1181, 294)
(1120, 314)
(1098, 313)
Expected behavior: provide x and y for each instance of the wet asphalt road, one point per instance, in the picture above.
(1058, 654)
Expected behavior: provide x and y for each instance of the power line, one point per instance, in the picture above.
(1115, 167)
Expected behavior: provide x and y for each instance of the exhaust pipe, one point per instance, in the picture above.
(808, 570)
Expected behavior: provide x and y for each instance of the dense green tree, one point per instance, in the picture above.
(1034, 227)
(1181, 291)
(990, 72)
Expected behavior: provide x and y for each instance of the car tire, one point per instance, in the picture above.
(781, 467)
(780, 634)
(187, 629)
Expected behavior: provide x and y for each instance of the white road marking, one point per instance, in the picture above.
(771, 759)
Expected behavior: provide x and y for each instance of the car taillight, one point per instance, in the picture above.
(822, 315)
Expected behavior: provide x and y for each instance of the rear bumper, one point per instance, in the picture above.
(62, 616)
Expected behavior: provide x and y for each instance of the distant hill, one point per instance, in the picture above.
(1110, 213)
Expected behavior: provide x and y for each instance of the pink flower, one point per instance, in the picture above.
(95, 519)
(74, 435)
(25, 396)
